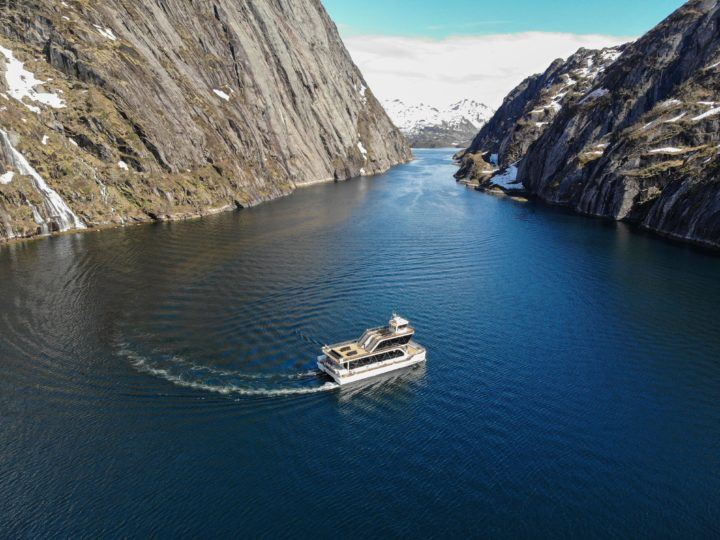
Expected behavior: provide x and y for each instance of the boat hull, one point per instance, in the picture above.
(343, 377)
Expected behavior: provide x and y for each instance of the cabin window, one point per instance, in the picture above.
(403, 340)
(380, 357)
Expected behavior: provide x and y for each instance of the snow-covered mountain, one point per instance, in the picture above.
(432, 127)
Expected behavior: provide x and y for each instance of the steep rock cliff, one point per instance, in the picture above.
(529, 109)
(122, 110)
(643, 144)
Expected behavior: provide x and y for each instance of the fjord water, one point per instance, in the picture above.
(160, 380)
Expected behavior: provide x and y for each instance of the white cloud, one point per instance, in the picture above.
(484, 68)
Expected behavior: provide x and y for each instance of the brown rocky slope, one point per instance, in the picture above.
(127, 111)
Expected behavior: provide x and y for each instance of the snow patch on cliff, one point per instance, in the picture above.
(105, 32)
(21, 84)
(508, 178)
(221, 94)
(668, 150)
(711, 112)
(7, 177)
(675, 119)
(363, 93)
(595, 94)
(610, 55)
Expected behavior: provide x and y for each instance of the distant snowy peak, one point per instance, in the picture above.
(428, 126)
(410, 116)
(476, 113)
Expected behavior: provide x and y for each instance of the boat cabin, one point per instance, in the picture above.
(375, 345)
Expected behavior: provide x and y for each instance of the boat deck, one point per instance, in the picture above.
(413, 348)
(414, 354)
(349, 350)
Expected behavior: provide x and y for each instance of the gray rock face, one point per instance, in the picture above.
(530, 108)
(166, 109)
(643, 144)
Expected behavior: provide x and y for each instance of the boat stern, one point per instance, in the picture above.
(322, 366)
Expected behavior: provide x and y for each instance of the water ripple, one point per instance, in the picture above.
(162, 378)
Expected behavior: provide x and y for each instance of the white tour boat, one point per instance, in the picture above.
(378, 351)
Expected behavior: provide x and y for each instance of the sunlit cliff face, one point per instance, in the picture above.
(217, 107)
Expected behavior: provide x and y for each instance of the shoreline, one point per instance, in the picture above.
(702, 245)
(527, 196)
(185, 216)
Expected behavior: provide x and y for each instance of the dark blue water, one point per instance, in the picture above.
(159, 380)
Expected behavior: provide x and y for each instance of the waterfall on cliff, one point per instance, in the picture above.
(55, 210)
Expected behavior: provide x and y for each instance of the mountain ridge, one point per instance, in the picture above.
(642, 143)
(427, 126)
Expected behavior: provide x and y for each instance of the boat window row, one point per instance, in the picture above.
(375, 358)
(402, 340)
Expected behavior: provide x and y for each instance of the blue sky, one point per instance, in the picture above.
(441, 51)
(442, 18)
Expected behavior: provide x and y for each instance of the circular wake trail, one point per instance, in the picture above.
(187, 374)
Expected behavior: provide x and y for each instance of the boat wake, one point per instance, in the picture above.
(187, 374)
